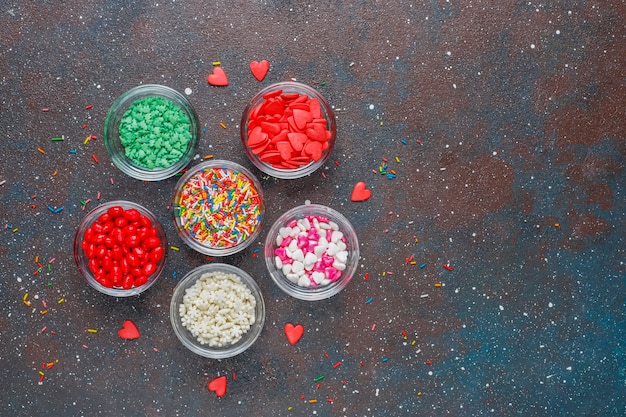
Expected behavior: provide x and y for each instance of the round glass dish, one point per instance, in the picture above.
(288, 130)
(218, 207)
(151, 132)
(230, 346)
(98, 238)
(286, 235)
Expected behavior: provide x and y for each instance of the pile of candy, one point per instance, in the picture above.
(123, 248)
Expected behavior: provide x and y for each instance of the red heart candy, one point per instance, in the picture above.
(218, 385)
(285, 150)
(314, 149)
(259, 69)
(294, 333)
(129, 331)
(297, 140)
(218, 78)
(301, 118)
(359, 192)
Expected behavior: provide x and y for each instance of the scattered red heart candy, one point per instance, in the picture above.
(360, 192)
(259, 69)
(129, 331)
(293, 333)
(218, 78)
(218, 385)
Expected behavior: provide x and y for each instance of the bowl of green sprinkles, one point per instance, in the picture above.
(151, 132)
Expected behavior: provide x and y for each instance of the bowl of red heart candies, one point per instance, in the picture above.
(311, 252)
(119, 248)
(288, 130)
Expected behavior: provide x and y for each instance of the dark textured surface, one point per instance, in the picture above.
(513, 114)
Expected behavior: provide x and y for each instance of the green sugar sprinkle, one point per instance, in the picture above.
(155, 132)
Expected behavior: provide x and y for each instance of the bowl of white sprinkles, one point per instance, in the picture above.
(217, 311)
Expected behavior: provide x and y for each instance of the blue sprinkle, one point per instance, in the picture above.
(403, 142)
(73, 151)
(204, 129)
(57, 210)
(369, 300)
(422, 265)
(51, 209)
(174, 274)
(385, 359)
(391, 176)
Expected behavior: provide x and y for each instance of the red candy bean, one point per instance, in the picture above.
(122, 248)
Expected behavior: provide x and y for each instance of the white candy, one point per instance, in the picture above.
(298, 255)
(342, 256)
(293, 278)
(339, 266)
(278, 262)
(284, 231)
(304, 281)
(319, 251)
(297, 267)
(333, 225)
(286, 269)
(318, 277)
(218, 309)
(310, 258)
(336, 236)
(332, 249)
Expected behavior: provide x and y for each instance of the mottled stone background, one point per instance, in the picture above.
(504, 122)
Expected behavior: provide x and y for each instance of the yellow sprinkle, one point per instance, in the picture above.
(289, 408)
(25, 296)
(397, 159)
(384, 273)
(86, 140)
(216, 63)
(92, 330)
(222, 125)
(40, 372)
(176, 248)
(413, 262)
(41, 150)
(413, 343)
(312, 401)
(61, 300)
(14, 230)
(419, 393)
(381, 123)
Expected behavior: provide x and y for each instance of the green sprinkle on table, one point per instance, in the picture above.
(155, 132)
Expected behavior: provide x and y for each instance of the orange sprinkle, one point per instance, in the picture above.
(41, 150)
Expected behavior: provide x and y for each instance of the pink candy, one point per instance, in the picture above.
(311, 251)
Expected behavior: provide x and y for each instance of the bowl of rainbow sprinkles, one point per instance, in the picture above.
(218, 207)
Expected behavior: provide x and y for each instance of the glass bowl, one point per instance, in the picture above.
(201, 315)
(218, 207)
(151, 132)
(120, 248)
(288, 130)
(325, 267)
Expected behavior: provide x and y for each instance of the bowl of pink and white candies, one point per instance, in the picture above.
(311, 252)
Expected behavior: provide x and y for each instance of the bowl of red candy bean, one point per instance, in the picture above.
(311, 252)
(151, 132)
(218, 207)
(119, 248)
(217, 311)
(288, 130)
